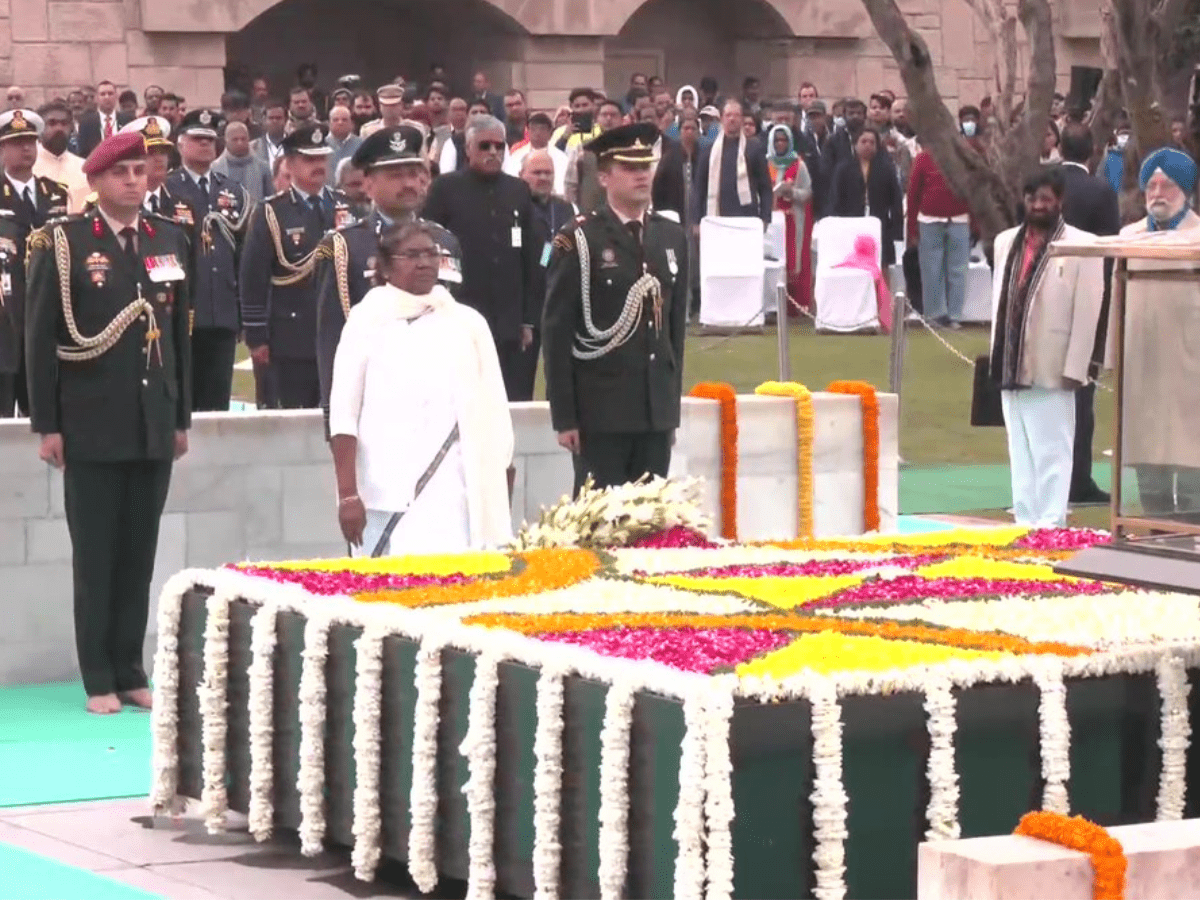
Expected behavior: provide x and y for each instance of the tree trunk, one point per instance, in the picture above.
(1141, 35)
(989, 181)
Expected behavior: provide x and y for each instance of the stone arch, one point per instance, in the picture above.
(765, 15)
(377, 39)
(508, 14)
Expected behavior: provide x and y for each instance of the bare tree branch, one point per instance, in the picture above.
(984, 182)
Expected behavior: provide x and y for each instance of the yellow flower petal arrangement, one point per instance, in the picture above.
(825, 606)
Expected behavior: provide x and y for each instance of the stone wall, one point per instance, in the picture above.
(260, 486)
(545, 46)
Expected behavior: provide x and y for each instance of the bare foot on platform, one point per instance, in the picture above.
(138, 697)
(104, 704)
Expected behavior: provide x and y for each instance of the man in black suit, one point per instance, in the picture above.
(812, 142)
(491, 214)
(110, 396)
(731, 196)
(1089, 204)
(102, 122)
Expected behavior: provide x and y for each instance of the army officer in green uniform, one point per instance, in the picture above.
(109, 390)
(613, 323)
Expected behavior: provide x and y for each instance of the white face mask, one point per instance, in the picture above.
(968, 129)
(1122, 141)
(839, 122)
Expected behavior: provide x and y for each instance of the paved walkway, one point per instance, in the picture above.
(179, 860)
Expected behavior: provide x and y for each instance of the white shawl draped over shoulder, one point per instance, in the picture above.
(484, 423)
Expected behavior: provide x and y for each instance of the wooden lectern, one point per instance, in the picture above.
(1156, 537)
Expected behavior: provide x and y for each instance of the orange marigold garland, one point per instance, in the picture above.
(1077, 833)
(870, 433)
(725, 395)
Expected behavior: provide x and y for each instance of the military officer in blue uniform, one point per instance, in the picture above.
(398, 177)
(29, 201)
(613, 321)
(215, 211)
(277, 285)
(160, 155)
(109, 389)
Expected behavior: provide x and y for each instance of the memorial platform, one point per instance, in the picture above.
(815, 712)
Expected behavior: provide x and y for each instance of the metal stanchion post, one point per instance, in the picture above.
(899, 323)
(781, 331)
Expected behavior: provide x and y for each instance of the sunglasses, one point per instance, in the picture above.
(491, 145)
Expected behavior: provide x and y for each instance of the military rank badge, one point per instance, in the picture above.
(98, 267)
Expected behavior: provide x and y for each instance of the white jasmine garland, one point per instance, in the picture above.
(689, 812)
(261, 810)
(614, 788)
(547, 783)
(212, 694)
(1173, 688)
(164, 714)
(368, 700)
(829, 793)
(423, 797)
(1055, 735)
(718, 791)
(479, 747)
(942, 814)
(310, 781)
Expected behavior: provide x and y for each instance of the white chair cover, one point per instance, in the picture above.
(845, 298)
(731, 271)
(978, 306)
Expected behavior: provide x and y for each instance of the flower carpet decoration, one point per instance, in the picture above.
(631, 594)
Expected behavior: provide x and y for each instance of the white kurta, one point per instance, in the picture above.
(400, 388)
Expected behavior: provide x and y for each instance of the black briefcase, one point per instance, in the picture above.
(986, 411)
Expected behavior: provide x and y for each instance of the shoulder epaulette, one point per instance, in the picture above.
(63, 220)
(46, 180)
(325, 248)
(280, 195)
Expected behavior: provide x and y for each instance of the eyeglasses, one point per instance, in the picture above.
(430, 253)
(490, 145)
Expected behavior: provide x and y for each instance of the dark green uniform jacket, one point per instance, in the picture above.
(637, 386)
(127, 402)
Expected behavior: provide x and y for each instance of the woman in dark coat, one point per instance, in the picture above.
(867, 185)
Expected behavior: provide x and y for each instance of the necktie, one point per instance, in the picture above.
(108, 126)
(27, 196)
(203, 182)
(129, 244)
(635, 228)
(315, 202)
(154, 202)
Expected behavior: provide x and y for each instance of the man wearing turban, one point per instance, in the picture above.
(1162, 351)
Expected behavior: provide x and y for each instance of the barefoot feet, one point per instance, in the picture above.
(140, 697)
(104, 704)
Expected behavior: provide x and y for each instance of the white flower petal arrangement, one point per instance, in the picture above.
(617, 516)
(705, 814)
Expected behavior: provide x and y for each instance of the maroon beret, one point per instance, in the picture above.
(121, 146)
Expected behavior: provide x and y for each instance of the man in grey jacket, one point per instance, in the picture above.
(241, 166)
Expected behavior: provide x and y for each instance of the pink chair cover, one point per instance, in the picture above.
(862, 257)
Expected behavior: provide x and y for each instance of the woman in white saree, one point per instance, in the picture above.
(419, 422)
